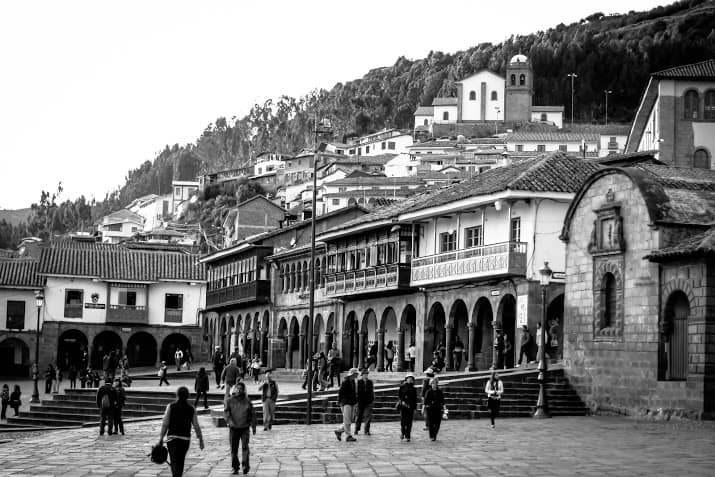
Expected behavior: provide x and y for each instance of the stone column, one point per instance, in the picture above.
(262, 345)
(245, 343)
(381, 350)
(328, 342)
(401, 350)
(471, 346)
(361, 350)
(356, 348)
(448, 364)
(496, 326)
(301, 349)
(289, 351)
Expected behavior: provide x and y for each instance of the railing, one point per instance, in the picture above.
(257, 290)
(73, 310)
(173, 315)
(127, 314)
(506, 258)
(381, 277)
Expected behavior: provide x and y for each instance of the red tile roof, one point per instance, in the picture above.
(702, 244)
(703, 70)
(444, 102)
(548, 136)
(116, 262)
(20, 273)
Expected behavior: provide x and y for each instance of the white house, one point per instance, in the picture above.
(531, 143)
(402, 166)
(154, 208)
(121, 225)
(182, 192)
(481, 97)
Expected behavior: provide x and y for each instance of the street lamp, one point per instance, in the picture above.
(496, 124)
(542, 408)
(39, 301)
(607, 92)
(573, 76)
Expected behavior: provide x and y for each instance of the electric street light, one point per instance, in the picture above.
(573, 76)
(496, 124)
(607, 92)
(542, 408)
(39, 301)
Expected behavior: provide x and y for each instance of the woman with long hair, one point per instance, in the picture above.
(435, 406)
(494, 390)
(178, 419)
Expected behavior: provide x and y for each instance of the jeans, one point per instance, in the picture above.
(348, 412)
(493, 405)
(406, 416)
(269, 411)
(48, 386)
(177, 455)
(364, 414)
(241, 435)
(118, 423)
(217, 373)
(198, 396)
(107, 418)
(523, 353)
(4, 409)
(434, 421)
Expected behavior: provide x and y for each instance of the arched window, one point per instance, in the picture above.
(495, 96)
(522, 80)
(608, 316)
(701, 159)
(426, 123)
(472, 96)
(675, 337)
(292, 277)
(283, 279)
(544, 117)
(691, 104)
(445, 115)
(513, 80)
(306, 275)
(709, 111)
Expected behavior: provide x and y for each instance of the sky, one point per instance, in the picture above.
(92, 89)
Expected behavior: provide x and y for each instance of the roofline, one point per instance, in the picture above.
(481, 70)
(240, 247)
(638, 112)
(356, 228)
(287, 253)
(21, 287)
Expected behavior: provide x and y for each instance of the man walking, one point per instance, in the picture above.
(269, 395)
(121, 399)
(347, 399)
(106, 402)
(178, 356)
(219, 362)
(231, 375)
(162, 374)
(239, 415)
(334, 363)
(408, 404)
(365, 398)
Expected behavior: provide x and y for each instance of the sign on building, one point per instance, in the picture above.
(522, 310)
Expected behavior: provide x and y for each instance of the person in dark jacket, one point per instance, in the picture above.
(269, 396)
(231, 375)
(425, 386)
(163, 370)
(408, 404)
(365, 398)
(435, 405)
(5, 396)
(240, 418)
(176, 426)
(121, 399)
(72, 376)
(347, 399)
(15, 401)
(201, 387)
(219, 362)
(106, 402)
(49, 377)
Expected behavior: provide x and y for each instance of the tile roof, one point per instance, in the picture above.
(548, 136)
(702, 70)
(444, 102)
(122, 215)
(702, 244)
(116, 262)
(374, 181)
(424, 111)
(689, 194)
(20, 273)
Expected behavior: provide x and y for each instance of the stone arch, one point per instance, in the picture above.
(458, 322)
(171, 343)
(673, 356)
(141, 349)
(104, 343)
(482, 318)
(15, 357)
(368, 332)
(691, 104)
(408, 322)
(330, 331)
(702, 158)
(601, 299)
(299, 277)
(292, 348)
(319, 334)
(350, 344)
(434, 332)
(73, 345)
(222, 336)
(352, 201)
(506, 319)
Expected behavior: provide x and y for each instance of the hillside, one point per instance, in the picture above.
(15, 217)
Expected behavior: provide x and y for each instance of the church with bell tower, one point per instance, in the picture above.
(519, 89)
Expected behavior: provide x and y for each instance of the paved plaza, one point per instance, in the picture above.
(573, 446)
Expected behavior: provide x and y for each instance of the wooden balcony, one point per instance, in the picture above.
(501, 259)
(127, 314)
(256, 291)
(368, 280)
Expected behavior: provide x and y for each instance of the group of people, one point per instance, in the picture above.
(246, 366)
(10, 399)
(110, 400)
(183, 358)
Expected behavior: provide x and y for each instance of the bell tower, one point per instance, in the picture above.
(519, 89)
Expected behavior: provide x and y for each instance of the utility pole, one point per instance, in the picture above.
(573, 76)
(607, 92)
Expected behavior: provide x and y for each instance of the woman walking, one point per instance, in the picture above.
(389, 356)
(494, 390)
(15, 402)
(201, 386)
(178, 419)
(434, 403)
(408, 404)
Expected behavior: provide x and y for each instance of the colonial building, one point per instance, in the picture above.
(365, 190)
(676, 116)
(387, 141)
(639, 326)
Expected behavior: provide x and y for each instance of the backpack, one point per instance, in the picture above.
(106, 402)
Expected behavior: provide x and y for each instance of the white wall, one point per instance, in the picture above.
(420, 120)
(556, 117)
(471, 110)
(651, 134)
(439, 111)
(551, 146)
(606, 138)
(194, 298)
(28, 296)
(402, 142)
(55, 299)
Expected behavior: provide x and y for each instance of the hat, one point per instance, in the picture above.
(410, 375)
(365, 371)
(353, 371)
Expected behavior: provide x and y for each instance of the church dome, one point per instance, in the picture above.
(518, 59)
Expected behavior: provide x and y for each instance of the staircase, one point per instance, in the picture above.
(465, 399)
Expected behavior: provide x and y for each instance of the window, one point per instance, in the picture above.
(473, 237)
(127, 298)
(544, 117)
(522, 80)
(391, 145)
(73, 303)
(515, 235)
(445, 116)
(177, 192)
(519, 148)
(426, 122)
(15, 315)
(472, 96)
(173, 307)
(352, 151)
(709, 111)
(562, 147)
(495, 96)
(383, 145)
(336, 202)
(447, 241)
(608, 317)
(541, 148)
(367, 149)
(674, 338)
(114, 228)
(359, 151)
(513, 80)
(701, 159)
(342, 189)
(691, 104)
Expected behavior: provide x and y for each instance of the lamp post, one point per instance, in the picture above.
(542, 408)
(322, 128)
(39, 301)
(496, 124)
(573, 76)
(607, 92)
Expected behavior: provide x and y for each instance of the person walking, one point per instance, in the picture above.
(435, 404)
(458, 353)
(201, 387)
(49, 377)
(72, 376)
(389, 355)
(218, 363)
(240, 418)
(408, 404)
(334, 363)
(178, 358)
(347, 399)
(269, 396)
(57, 381)
(499, 349)
(525, 344)
(554, 333)
(365, 398)
(189, 358)
(15, 401)
(5, 401)
(540, 354)
(176, 426)
(162, 374)
(412, 355)
(231, 375)
(119, 405)
(494, 389)
(425, 386)
(106, 402)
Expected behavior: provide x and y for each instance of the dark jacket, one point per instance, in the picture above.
(121, 397)
(106, 389)
(202, 383)
(181, 415)
(239, 413)
(231, 374)
(366, 392)
(434, 401)
(425, 387)
(219, 360)
(348, 392)
(269, 390)
(408, 395)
